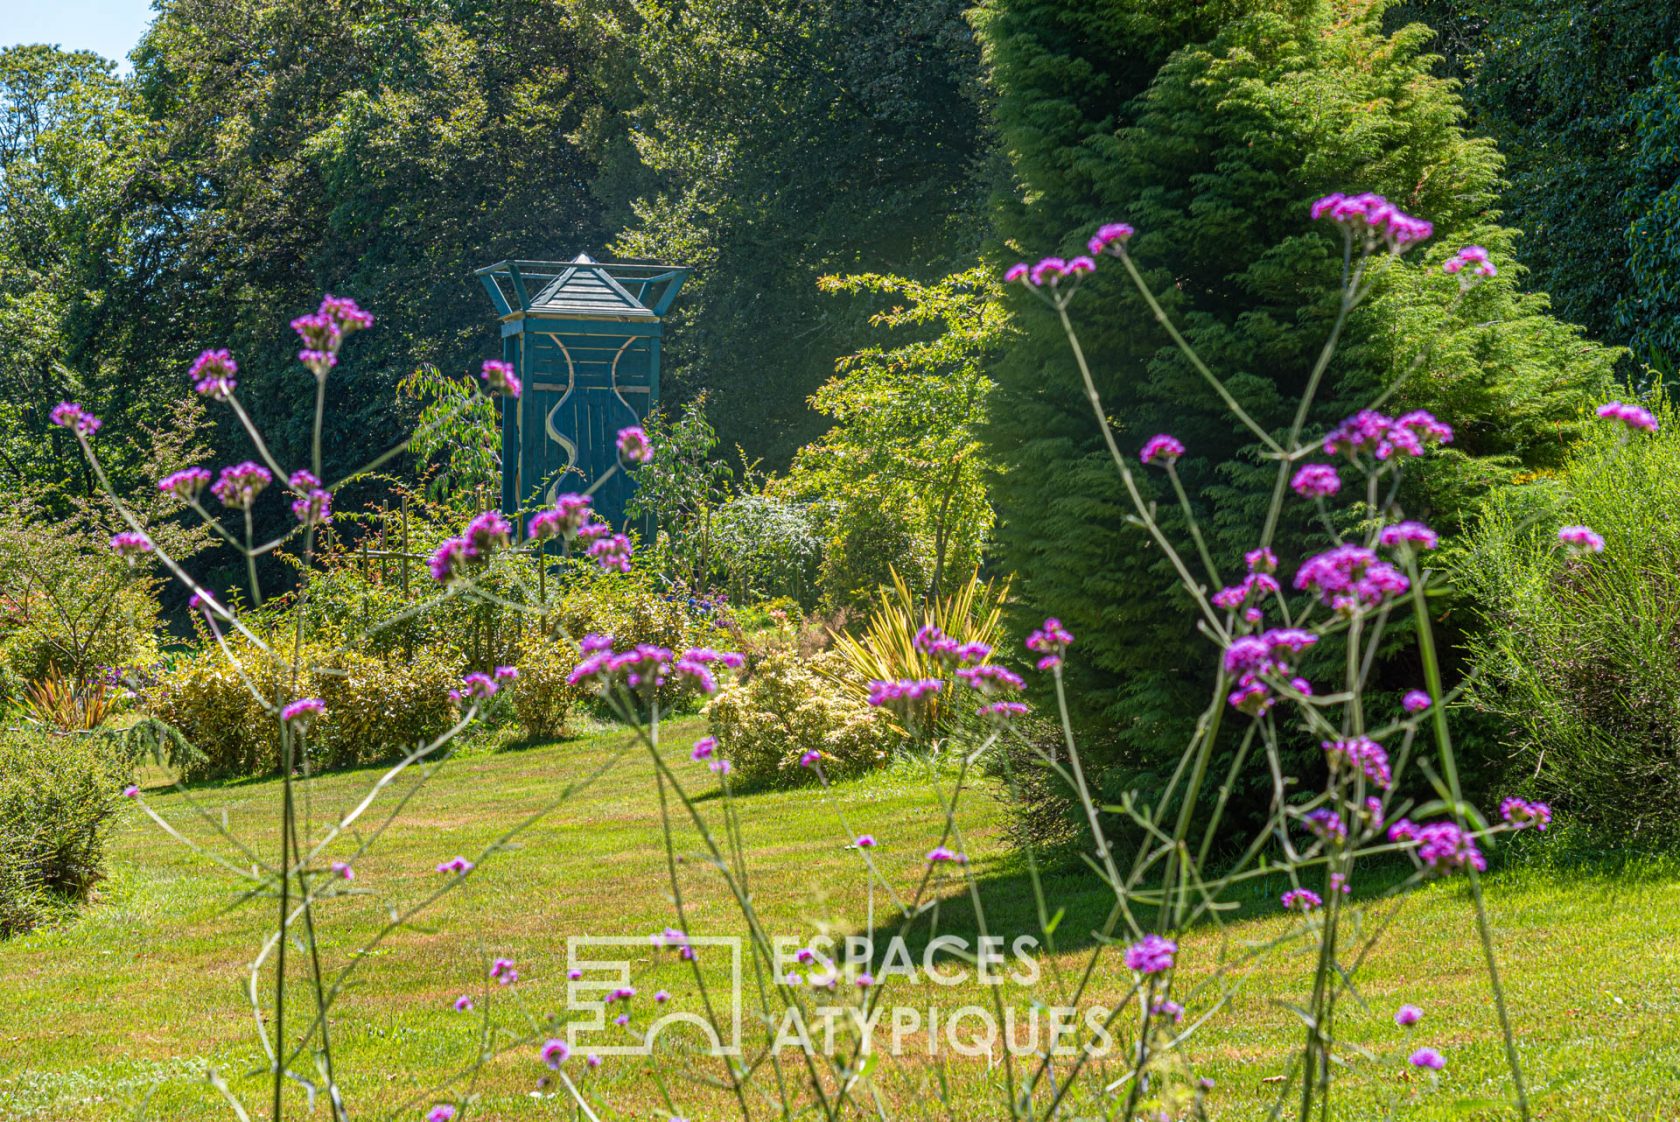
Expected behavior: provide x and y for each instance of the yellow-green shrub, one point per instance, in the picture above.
(542, 698)
(57, 795)
(790, 705)
(376, 708)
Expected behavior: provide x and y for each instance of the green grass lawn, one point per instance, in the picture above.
(142, 994)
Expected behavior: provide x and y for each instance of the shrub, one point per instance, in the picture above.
(57, 795)
(542, 698)
(376, 708)
(788, 706)
(630, 608)
(767, 546)
(1578, 657)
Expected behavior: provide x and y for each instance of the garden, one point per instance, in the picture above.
(1051, 559)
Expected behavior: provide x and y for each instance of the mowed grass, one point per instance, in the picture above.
(143, 994)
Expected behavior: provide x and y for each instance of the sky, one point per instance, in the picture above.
(110, 27)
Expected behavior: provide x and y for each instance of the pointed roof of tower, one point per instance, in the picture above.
(585, 288)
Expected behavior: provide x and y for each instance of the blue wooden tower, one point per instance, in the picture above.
(583, 336)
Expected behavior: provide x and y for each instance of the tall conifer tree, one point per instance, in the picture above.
(1211, 128)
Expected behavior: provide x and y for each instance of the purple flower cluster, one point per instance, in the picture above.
(1415, 701)
(130, 545)
(554, 1053)
(502, 970)
(886, 692)
(1302, 900)
(696, 665)
(1252, 659)
(499, 376)
(1161, 448)
(69, 415)
(1050, 641)
(1316, 481)
(1581, 540)
(1167, 1009)
(303, 707)
(940, 854)
(1429, 1058)
(238, 486)
(486, 533)
(313, 506)
(611, 552)
(1109, 234)
(991, 679)
(460, 866)
(1151, 955)
(1382, 436)
(943, 649)
(1522, 814)
(633, 445)
(479, 686)
(185, 484)
(566, 519)
(212, 374)
(672, 939)
(652, 666)
(1441, 846)
(1360, 754)
(1408, 534)
(1003, 710)
(1407, 1015)
(1326, 824)
(1375, 217)
(1350, 578)
(323, 331)
(1633, 416)
(1468, 264)
(1049, 270)
(1259, 584)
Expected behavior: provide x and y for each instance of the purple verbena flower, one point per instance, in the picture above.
(1326, 824)
(1469, 264)
(633, 445)
(1316, 481)
(238, 486)
(1052, 641)
(1408, 533)
(212, 374)
(130, 545)
(1581, 540)
(1151, 955)
(1522, 814)
(1360, 754)
(1161, 449)
(1301, 900)
(1350, 578)
(463, 1003)
(460, 866)
(499, 376)
(554, 1053)
(904, 689)
(1407, 1016)
(69, 415)
(1373, 219)
(1415, 701)
(991, 679)
(303, 707)
(186, 483)
(343, 871)
(1635, 417)
(1429, 1058)
(1115, 234)
(612, 552)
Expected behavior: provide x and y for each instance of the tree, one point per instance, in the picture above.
(1585, 110)
(905, 449)
(769, 144)
(1211, 129)
(69, 138)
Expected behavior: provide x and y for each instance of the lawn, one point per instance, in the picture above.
(142, 994)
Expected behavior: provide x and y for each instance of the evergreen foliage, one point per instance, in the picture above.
(1211, 130)
(770, 144)
(1584, 102)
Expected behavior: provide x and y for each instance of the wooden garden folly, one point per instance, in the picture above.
(584, 337)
